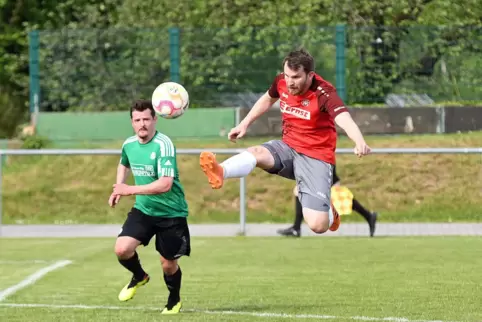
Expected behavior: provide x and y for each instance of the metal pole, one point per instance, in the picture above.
(34, 68)
(340, 66)
(242, 205)
(1, 191)
(471, 150)
(174, 54)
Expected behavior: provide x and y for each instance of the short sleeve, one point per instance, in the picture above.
(166, 162)
(332, 103)
(124, 160)
(273, 90)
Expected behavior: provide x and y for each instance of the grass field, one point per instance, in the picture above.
(251, 279)
(402, 188)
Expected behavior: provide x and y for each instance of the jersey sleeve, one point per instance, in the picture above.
(332, 103)
(273, 90)
(166, 162)
(124, 160)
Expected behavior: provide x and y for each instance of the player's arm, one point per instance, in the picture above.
(259, 108)
(122, 173)
(161, 185)
(345, 121)
(263, 103)
(166, 171)
(337, 109)
(123, 170)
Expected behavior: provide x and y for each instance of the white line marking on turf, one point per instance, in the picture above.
(33, 278)
(26, 261)
(220, 312)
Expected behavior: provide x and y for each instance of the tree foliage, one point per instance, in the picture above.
(99, 55)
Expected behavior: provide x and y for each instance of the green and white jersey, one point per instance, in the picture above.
(149, 162)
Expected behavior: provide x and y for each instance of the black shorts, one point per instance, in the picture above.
(172, 234)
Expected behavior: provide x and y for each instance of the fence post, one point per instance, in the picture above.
(174, 54)
(440, 110)
(1, 191)
(34, 69)
(242, 205)
(340, 42)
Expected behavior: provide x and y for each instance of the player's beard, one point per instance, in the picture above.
(293, 91)
(301, 88)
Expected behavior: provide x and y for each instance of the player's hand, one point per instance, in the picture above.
(237, 132)
(122, 189)
(361, 149)
(114, 200)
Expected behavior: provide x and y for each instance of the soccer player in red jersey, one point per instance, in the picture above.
(310, 107)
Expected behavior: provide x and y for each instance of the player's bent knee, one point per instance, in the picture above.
(264, 158)
(318, 225)
(124, 251)
(318, 221)
(169, 266)
(125, 247)
(319, 228)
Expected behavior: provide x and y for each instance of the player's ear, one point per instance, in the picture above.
(311, 74)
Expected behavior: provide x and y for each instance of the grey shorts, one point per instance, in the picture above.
(313, 177)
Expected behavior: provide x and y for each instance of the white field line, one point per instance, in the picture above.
(25, 261)
(220, 312)
(33, 278)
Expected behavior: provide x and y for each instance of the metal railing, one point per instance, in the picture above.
(242, 181)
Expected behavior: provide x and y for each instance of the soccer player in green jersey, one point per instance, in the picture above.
(160, 208)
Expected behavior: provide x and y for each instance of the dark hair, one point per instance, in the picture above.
(300, 58)
(141, 106)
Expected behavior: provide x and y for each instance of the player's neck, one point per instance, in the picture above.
(306, 88)
(147, 138)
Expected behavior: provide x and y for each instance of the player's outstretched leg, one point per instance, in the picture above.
(334, 218)
(127, 256)
(236, 166)
(372, 223)
(314, 212)
(172, 278)
(320, 221)
(212, 169)
(295, 230)
(370, 217)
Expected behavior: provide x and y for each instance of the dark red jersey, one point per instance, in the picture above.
(308, 119)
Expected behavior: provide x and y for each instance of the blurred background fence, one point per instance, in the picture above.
(104, 69)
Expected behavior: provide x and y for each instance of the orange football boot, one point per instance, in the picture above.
(212, 169)
(336, 219)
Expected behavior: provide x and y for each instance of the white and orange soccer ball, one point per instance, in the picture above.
(170, 100)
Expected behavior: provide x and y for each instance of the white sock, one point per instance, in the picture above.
(239, 165)
(330, 217)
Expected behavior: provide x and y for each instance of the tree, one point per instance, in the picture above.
(100, 55)
(396, 46)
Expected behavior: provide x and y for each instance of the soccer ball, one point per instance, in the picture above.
(170, 100)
